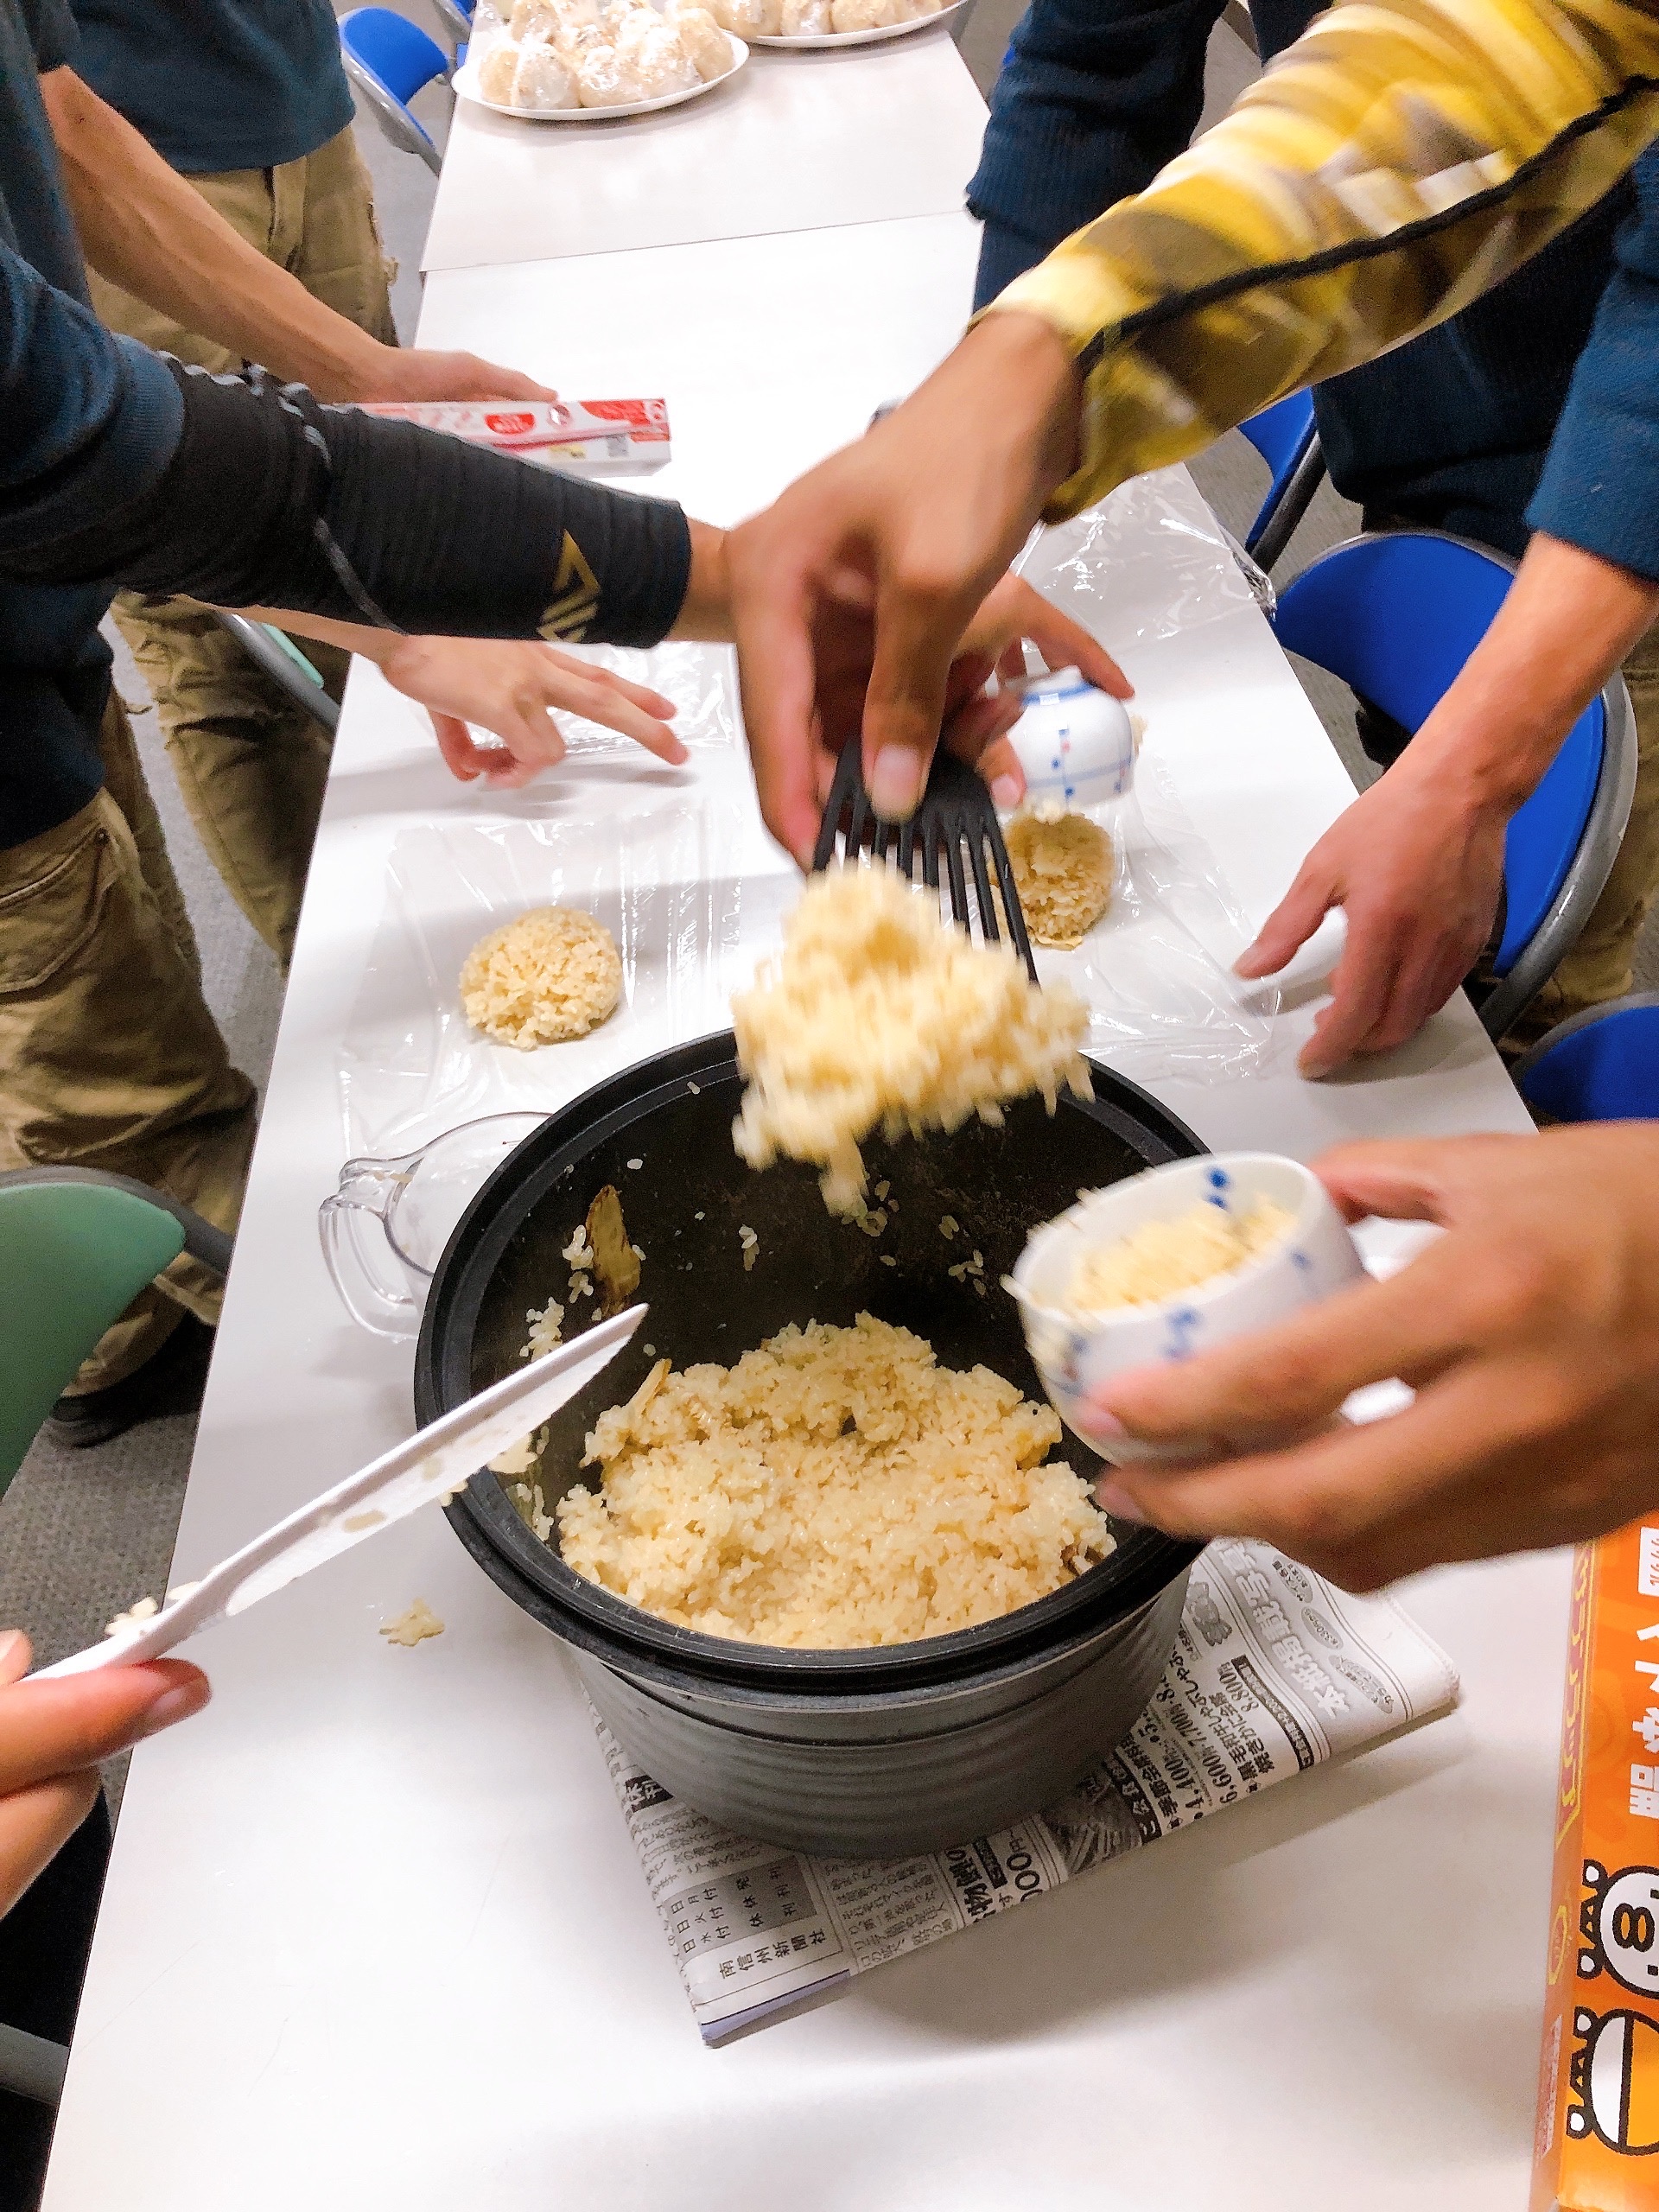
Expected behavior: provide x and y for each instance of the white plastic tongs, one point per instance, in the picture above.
(429, 1464)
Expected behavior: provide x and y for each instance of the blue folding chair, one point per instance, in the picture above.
(1600, 1066)
(457, 17)
(1285, 437)
(1396, 616)
(390, 59)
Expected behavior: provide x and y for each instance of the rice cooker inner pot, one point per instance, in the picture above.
(661, 1133)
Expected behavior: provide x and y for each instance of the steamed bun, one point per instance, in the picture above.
(497, 70)
(530, 75)
(603, 80)
(650, 47)
(541, 80)
(749, 18)
(703, 41)
(576, 40)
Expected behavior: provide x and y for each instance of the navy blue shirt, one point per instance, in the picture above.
(218, 84)
(54, 668)
(1600, 487)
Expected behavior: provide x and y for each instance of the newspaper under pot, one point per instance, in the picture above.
(1273, 1672)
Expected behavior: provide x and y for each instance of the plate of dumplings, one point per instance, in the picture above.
(827, 23)
(591, 60)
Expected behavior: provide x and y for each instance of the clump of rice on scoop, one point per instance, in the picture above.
(879, 1014)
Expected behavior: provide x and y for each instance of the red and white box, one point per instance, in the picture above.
(575, 434)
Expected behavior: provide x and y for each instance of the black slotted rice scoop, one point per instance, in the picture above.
(955, 829)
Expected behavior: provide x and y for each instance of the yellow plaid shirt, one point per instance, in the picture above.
(1402, 157)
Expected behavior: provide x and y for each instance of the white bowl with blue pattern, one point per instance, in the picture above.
(1078, 1353)
(1076, 745)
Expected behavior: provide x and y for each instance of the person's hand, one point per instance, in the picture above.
(852, 595)
(1417, 865)
(510, 688)
(1531, 1332)
(976, 721)
(53, 1733)
(412, 373)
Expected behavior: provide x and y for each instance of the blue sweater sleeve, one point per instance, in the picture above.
(88, 422)
(1600, 490)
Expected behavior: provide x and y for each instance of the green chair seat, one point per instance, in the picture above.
(76, 1248)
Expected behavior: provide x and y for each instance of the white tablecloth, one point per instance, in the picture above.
(797, 142)
(374, 1935)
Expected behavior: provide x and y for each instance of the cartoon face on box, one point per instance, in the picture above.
(1618, 1921)
(1615, 2077)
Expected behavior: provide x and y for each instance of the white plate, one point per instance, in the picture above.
(464, 81)
(861, 38)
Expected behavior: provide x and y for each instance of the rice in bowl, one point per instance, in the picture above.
(836, 1489)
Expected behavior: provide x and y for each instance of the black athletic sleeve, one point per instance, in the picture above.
(273, 499)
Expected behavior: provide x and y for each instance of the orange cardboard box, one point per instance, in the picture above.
(1598, 2140)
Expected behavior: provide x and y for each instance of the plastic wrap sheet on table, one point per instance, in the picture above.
(694, 900)
(1100, 570)
(700, 680)
(1156, 969)
(689, 891)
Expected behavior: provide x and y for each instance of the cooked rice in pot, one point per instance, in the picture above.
(836, 1488)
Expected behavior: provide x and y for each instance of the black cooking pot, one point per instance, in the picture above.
(899, 1748)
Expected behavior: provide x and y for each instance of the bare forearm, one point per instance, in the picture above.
(706, 612)
(147, 229)
(1568, 622)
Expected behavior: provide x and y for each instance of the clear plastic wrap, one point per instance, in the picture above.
(1149, 561)
(700, 680)
(1156, 969)
(691, 892)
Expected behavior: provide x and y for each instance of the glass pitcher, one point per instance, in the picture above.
(384, 1228)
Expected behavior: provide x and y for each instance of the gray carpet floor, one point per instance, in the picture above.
(83, 1534)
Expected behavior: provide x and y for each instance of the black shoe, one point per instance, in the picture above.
(1382, 739)
(171, 1382)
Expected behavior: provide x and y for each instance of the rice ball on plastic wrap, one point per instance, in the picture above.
(749, 18)
(804, 19)
(704, 40)
(867, 14)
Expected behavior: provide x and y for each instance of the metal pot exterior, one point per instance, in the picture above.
(890, 1777)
